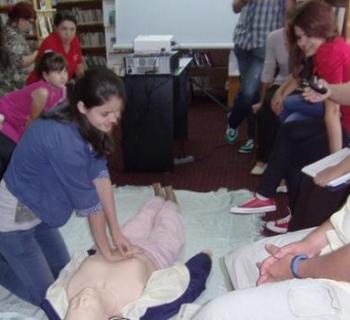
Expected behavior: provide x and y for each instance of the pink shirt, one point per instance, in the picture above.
(16, 106)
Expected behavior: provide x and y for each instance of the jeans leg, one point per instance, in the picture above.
(53, 247)
(250, 64)
(285, 152)
(25, 271)
(295, 103)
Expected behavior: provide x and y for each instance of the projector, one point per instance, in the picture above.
(161, 63)
(153, 43)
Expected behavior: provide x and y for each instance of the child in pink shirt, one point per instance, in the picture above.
(19, 108)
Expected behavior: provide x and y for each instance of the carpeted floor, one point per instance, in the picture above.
(217, 164)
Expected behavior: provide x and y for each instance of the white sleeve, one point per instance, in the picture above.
(270, 63)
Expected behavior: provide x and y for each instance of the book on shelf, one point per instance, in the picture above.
(42, 25)
(202, 59)
(5, 3)
(49, 23)
(340, 13)
(92, 39)
(208, 59)
(335, 158)
(93, 61)
(88, 16)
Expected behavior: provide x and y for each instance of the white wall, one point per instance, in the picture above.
(194, 23)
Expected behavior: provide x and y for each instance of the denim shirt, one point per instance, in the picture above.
(52, 171)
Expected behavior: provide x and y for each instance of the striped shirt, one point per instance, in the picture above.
(257, 19)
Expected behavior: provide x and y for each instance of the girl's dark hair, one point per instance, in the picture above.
(317, 19)
(20, 10)
(64, 16)
(50, 61)
(94, 89)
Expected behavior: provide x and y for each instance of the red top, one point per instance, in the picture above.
(53, 43)
(332, 63)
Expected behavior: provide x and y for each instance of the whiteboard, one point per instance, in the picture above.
(194, 23)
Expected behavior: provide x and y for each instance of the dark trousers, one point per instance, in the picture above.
(312, 205)
(267, 127)
(6, 148)
(289, 152)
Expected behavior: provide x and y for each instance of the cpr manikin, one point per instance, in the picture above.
(100, 288)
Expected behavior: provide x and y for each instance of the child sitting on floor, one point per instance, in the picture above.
(100, 289)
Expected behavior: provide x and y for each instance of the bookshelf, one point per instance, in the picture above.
(114, 57)
(210, 70)
(44, 18)
(90, 29)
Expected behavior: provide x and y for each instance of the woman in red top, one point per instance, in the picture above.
(298, 143)
(65, 42)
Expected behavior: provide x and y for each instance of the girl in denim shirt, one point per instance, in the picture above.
(59, 167)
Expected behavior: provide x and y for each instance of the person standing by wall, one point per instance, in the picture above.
(257, 19)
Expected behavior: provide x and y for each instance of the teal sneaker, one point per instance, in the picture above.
(247, 147)
(231, 135)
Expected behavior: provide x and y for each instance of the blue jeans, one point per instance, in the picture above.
(31, 260)
(295, 108)
(250, 64)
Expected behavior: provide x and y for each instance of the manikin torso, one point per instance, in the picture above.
(100, 289)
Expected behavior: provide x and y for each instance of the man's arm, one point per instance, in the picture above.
(237, 5)
(334, 266)
(276, 267)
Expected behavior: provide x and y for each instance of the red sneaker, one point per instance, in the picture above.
(280, 225)
(255, 205)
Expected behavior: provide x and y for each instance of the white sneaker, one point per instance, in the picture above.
(258, 170)
(282, 189)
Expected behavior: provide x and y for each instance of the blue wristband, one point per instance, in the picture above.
(294, 264)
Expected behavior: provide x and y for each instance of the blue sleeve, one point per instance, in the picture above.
(76, 166)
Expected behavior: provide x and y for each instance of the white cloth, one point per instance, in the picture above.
(291, 299)
(164, 286)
